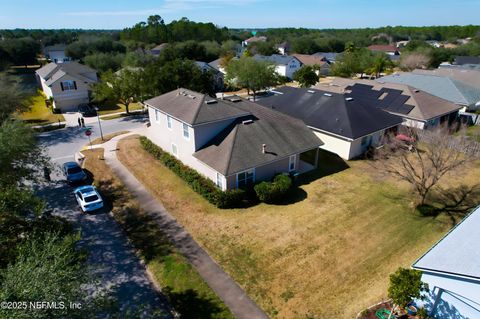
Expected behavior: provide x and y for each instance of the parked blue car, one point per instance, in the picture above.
(73, 173)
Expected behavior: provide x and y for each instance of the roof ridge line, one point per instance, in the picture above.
(230, 151)
(199, 107)
(456, 88)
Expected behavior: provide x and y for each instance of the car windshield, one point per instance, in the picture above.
(74, 170)
(91, 198)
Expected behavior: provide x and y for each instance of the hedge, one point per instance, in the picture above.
(200, 184)
(271, 192)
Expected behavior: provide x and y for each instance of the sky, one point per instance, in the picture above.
(118, 14)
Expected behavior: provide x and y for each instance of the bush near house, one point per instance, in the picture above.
(201, 185)
(271, 192)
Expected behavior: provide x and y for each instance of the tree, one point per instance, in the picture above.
(431, 155)
(12, 98)
(251, 74)
(103, 62)
(306, 76)
(405, 286)
(123, 86)
(414, 60)
(380, 64)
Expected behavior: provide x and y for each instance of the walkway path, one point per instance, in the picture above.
(225, 287)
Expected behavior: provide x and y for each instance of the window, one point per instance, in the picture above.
(291, 163)
(219, 181)
(157, 116)
(68, 85)
(245, 178)
(174, 149)
(169, 122)
(367, 140)
(186, 133)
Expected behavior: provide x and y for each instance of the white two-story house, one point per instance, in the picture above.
(69, 84)
(285, 65)
(232, 141)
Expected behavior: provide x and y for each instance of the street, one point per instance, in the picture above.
(111, 257)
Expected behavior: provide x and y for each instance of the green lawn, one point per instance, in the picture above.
(326, 252)
(112, 107)
(39, 114)
(182, 285)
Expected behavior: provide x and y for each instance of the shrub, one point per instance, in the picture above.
(271, 192)
(200, 184)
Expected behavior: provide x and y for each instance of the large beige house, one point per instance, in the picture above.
(69, 84)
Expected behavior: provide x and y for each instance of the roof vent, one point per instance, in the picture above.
(191, 96)
(349, 99)
(327, 94)
(235, 99)
(264, 148)
(311, 91)
(246, 122)
(211, 101)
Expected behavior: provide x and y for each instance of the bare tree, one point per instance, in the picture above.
(423, 158)
(414, 60)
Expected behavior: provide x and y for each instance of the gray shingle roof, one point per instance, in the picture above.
(277, 59)
(458, 253)
(469, 77)
(443, 87)
(331, 113)
(191, 107)
(52, 71)
(239, 146)
(460, 60)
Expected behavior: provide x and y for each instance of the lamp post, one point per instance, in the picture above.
(99, 123)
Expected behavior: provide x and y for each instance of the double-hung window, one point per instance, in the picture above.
(68, 85)
(291, 163)
(157, 116)
(186, 133)
(219, 181)
(245, 178)
(169, 122)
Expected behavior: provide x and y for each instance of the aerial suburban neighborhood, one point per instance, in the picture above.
(251, 159)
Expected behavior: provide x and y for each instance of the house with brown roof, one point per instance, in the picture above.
(316, 61)
(254, 39)
(232, 141)
(388, 49)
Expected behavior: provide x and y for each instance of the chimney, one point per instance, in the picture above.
(264, 148)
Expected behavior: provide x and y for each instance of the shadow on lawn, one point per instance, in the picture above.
(454, 202)
(191, 305)
(328, 164)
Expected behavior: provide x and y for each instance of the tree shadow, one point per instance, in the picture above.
(191, 305)
(454, 202)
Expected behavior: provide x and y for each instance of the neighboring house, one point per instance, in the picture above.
(468, 97)
(418, 109)
(470, 77)
(402, 44)
(284, 48)
(218, 77)
(254, 39)
(434, 43)
(67, 83)
(158, 49)
(451, 268)
(285, 65)
(461, 60)
(330, 57)
(388, 49)
(317, 61)
(56, 53)
(232, 141)
(216, 65)
(348, 127)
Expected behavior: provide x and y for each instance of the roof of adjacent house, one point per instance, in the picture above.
(215, 64)
(277, 59)
(206, 66)
(239, 146)
(330, 56)
(55, 47)
(256, 39)
(383, 48)
(310, 59)
(338, 114)
(192, 107)
(443, 87)
(159, 47)
(284, 45)
(395, 98)
(52, 72)
(460, 60)
(457, 253)
(469, 77)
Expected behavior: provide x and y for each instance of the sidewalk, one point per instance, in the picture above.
(225, 287)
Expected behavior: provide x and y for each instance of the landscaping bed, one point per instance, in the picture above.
(325, 253)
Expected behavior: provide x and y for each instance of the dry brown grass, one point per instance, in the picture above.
(328, 255)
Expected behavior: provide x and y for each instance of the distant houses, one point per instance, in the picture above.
(388, 49)
(283, 48)
(67, 84)
(317, 61)
(56, 53)
(218, 76)
(285, 65)
(451, 268)
(155, 51)
(246, 42)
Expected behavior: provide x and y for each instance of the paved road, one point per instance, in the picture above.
(111, 256)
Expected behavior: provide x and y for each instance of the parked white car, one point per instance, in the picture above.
(88, 198)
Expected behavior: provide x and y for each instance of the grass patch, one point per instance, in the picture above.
(112, 107)
(107, 137)
(327, 255)
(474, 132)
(39, 114)
(183, 286)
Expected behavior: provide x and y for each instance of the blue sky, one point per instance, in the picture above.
(114, 14)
